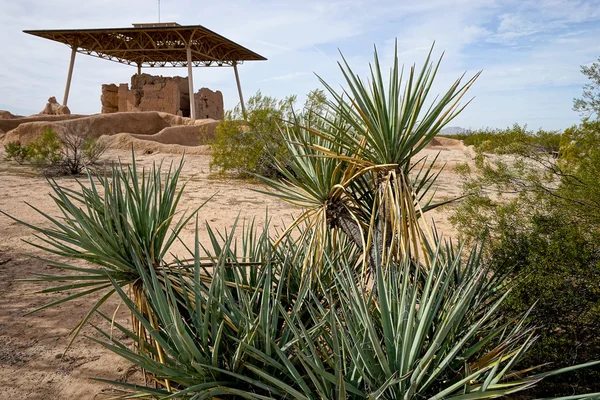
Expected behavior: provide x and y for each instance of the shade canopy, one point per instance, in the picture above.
(154, 45)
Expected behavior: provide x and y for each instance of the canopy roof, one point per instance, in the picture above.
(154, 45)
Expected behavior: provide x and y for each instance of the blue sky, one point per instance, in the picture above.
(530, 51)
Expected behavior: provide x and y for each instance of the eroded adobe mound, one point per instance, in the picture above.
(153, 126)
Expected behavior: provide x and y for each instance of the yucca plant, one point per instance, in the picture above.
(115, 223)
(239, 303)
(354, 169)
(425, 333)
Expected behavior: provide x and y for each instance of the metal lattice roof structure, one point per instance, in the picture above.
(166, 44)
(154, 45)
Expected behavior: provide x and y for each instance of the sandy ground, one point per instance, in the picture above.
(32, 364)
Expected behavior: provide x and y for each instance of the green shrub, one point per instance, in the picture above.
(510, 140)
(243, 143)
(560, 265)
(66, 153)
(541, 220)
(251, 143)
(15, 151)
(579, 143)
(45, 150)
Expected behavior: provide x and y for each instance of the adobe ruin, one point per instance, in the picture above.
(158, 93)
(53, 108)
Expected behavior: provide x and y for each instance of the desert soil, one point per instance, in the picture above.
(33, 362)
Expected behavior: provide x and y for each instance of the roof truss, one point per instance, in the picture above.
(155, 46)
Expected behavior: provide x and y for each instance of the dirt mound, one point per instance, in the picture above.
(143, 123)
(11, 123)
(176, 120)
(445, 143)
(471, 152)
(8, 115)
(125, 141)
(185, 135)
(147, 131)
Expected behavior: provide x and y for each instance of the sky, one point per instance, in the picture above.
(529, 52)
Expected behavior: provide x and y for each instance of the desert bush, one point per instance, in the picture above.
(358, 299)
(45, 150)
(79, 150)
(249, 144)
(511, 140)
(541, 220)
(561, 273)
(242, 143)
(67, 152)
(579, 143)
(15, 151)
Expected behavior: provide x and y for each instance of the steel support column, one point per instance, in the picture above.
(191, 84)
(69, 76)
(237, 79)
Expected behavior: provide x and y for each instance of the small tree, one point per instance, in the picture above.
(79, 150)
(589, 103)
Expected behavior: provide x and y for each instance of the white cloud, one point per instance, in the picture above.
(529, 50)
(286, 77)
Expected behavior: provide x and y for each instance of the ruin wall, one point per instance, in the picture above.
(158, 93)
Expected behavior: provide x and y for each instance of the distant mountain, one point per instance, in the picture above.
(452, 130)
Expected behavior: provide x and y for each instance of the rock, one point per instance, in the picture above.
(139, 81)
(147, 131)
(63, 110)
(445, 143)
(54, 108)
(125, 141)
(176, 120)
(123, 104)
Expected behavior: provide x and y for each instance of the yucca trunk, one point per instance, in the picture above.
(394, 229)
